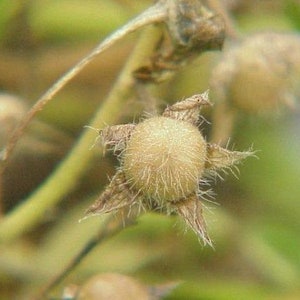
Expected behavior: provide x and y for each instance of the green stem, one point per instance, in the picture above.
(111, 227)
(69, 172)
(223, 121)
(267, 261)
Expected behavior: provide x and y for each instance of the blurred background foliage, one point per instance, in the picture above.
(255, 227)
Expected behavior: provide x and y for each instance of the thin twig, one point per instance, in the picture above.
(112, 226)
(154, 14)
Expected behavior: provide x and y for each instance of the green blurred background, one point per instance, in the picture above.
(255, 227)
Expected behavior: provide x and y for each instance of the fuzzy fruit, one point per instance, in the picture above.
(165, 158)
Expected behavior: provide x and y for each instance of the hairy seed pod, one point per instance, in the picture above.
(165, 158)
(260, 74)
(163, 162)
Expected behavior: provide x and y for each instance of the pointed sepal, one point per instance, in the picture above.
(222, 159)
(189, 109)
(191, 210)
(116, 196)
(115, 137)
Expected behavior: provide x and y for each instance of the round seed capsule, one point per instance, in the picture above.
(164, 158)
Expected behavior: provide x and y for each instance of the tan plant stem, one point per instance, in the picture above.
(69, 172)
(154, 14)
(112, 226)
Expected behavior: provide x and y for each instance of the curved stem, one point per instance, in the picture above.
(112, 226)
(154, 14)
(69, 172)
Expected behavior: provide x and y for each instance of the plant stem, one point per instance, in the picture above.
(223, 121)
(267, 261)
(112, 226)
(69, 172)
(154, 14)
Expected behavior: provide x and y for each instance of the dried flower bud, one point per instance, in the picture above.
(193, 26)
(192, 29)
(260, 74)
(163, 164)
